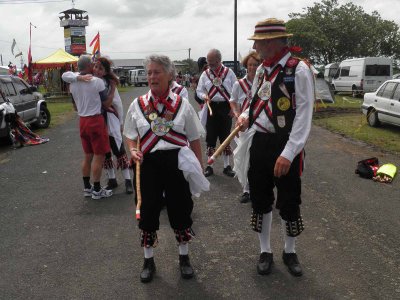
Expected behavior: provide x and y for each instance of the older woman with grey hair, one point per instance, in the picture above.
(170, 155)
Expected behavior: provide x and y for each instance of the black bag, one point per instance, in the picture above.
(367, 168)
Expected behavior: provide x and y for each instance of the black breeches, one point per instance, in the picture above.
(159, 174)
(219, 124)
(264, 151)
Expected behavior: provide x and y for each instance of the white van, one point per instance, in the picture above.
(330, 70)
(362, 75)
(138, 77)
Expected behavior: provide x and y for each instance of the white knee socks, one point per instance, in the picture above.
(226, 160)
(183, 249)
(290, 241)
(111, 173)
(148, 252)
(126, 173)
(265, 234)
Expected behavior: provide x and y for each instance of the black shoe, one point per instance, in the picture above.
(128, 186)
(111, 184)
(186, 268)
(149, 268)
(245, 197)
(292, 262)
(228, 171)
(265, 263)
(208, 171)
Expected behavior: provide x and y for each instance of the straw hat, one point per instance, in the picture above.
(270, 29)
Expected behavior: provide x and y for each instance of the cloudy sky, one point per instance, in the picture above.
(137, 28)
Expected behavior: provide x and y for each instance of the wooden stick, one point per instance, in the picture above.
(224, 144)
(138, 191)
(208, 105)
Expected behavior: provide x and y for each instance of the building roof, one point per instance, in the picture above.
(73, 11)
(127, 63)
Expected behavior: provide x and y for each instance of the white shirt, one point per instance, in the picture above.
(86, 95)
(304, 88)
(186, 122)
(238, 95)
(205, 85)
(184, 93)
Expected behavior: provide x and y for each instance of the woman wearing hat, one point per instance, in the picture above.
(241, 97)
(166, 125)
(271, 153)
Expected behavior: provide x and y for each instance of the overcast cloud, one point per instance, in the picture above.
(137, 28)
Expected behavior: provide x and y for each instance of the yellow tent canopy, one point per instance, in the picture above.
(56, 60)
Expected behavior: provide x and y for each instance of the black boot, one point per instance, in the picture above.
(149, 268)
(229, 172)
(265, 263)
(245, 197)
(186, 269)
(111, 184)
(208, 171)
(292, 262)
(128, 186)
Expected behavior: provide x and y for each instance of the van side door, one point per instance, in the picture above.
(342, 81)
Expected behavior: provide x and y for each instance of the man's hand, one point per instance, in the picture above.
(243, 122)
(282, 166)
(86, 77)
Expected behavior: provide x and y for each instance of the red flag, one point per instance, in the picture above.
(96, 47)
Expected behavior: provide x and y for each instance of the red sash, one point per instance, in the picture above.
(150, 139)
(246, 87)
(177, 90)
(218, 89)
(261, 105)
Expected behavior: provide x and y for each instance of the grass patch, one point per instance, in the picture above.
(60, 112)
(356, 127)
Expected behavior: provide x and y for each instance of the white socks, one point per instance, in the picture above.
(265, 234)
(148, 252)
(290, 241)
(246, 188)
(226, 160)
(183, 249)
(126, 173)
(111, 173)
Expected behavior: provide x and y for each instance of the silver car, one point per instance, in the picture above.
(29, 104)
(383, 106)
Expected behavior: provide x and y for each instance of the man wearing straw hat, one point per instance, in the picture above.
(270, 154)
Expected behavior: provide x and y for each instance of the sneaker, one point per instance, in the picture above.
(88, 192)
(103, 193)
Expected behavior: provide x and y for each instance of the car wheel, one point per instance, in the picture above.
(372, 118)
(44, 118)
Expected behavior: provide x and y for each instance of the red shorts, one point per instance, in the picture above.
(94, 135)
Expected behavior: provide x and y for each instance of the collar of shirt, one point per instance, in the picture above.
(281, 62)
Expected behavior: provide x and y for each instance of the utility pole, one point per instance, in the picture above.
(189, 52)
(235, 68)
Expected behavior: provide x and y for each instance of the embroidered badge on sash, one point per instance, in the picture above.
(265, 90)
(153, 116)
(217, 81)
(283, 104)
(161, 126)
(281, 121)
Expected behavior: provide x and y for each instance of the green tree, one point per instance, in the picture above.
(328, 32)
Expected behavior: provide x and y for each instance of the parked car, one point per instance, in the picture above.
(29, 104)
(329, 71)
(383, 106)
(396, 76)
(138, 77)
(362, 75)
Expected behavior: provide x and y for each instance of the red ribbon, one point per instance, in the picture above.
(277, 57)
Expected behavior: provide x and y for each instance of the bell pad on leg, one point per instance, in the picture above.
(294, 228)
(256, 221)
